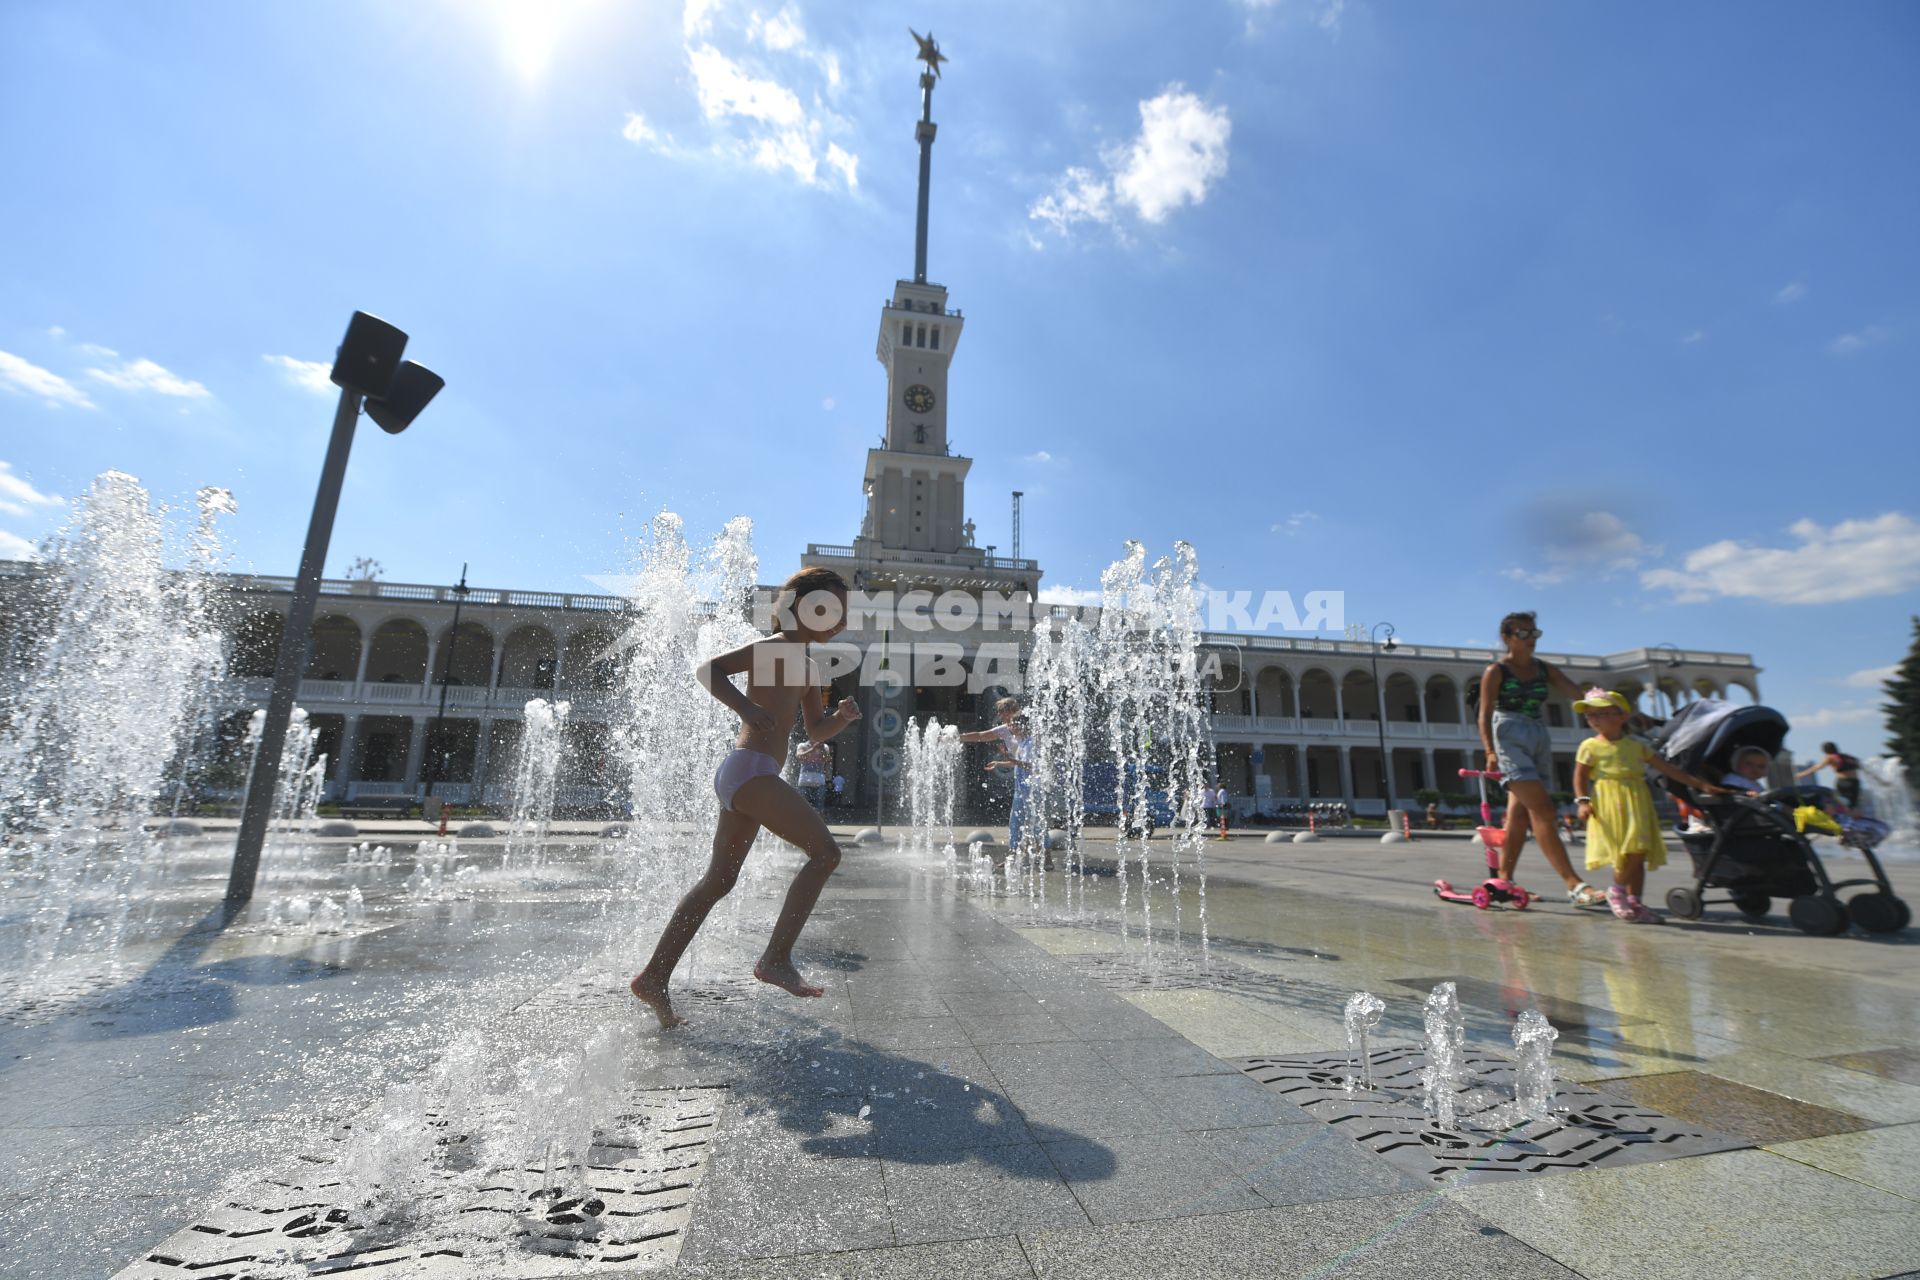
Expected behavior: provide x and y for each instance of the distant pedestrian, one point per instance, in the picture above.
(1846, 773)
(839, 789)
(813, 777)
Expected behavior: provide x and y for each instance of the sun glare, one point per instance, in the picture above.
(531, 31)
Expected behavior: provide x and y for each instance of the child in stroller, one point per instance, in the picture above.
(1757, 847)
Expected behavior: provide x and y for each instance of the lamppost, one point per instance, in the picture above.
(437, 759)
(369, 371)
(1380, 695)
(1673, 662)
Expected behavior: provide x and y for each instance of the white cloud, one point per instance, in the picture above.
(1693, 336)
(1181, 151)
(1039, 456)
(1323, 15)
(1853, 560)
(1860, 339)
(1793, 291)
(17, 495)
(56, 331)
(26, 378)
(1079, 597)
(1592, 543)
(780, 32)
(726, 89)
(752, 116)
(637, 129)
(1078, 195)
(144, 375)
(1175, 159)
(98, 352)
(1294, 523)
(1871, 678)
(308, 375)
(15, 547)
(1846, 713)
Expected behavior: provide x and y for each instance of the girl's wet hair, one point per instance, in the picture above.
(800, 586)
(1005, 705)
(1516, 622)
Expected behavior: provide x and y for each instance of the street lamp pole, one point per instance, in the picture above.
(1380, 694)
(1673, 663)
(292, 659)
(437, 759)
(370, 373)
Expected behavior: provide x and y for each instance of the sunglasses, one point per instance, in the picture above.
(1531, 633)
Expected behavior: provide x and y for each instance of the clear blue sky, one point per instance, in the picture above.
(1608, 311)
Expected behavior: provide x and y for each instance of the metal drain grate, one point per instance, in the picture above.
(641, 1176)
(1588, 1129)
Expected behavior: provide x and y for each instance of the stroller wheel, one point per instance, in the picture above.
(1754, 906)
(1820, 914)
(1879, 912)
(1684, 902)
(1481, 898)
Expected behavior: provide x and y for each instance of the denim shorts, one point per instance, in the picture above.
(1523, 749)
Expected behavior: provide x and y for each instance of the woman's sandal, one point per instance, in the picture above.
(1585, 895)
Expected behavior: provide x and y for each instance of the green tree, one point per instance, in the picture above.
(1903, 707)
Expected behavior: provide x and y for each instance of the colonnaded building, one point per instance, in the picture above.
(417, 687)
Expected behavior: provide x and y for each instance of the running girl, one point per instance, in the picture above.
(781, 679)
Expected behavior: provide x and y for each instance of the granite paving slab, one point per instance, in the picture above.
(1134, 1177)
(1398, 1237)
(1885, 1158)
(1738, 1109)
(1750, 1214)
(980, 1193)
(1895, 1064)
(1304, 1164)
(996, 1259)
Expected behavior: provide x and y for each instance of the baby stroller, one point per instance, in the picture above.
(1758, 849)
(1493, 889)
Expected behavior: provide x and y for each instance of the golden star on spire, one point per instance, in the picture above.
(929, 50)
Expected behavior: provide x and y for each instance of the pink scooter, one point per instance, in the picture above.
(1494, 888)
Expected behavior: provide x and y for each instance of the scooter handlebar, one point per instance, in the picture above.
(1480, 773)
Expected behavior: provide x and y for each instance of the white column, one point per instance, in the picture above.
(416, 747)
(349, 731)
(1346, 774)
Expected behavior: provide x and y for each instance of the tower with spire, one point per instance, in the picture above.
(915, 530)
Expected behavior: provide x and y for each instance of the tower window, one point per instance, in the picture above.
(936, 337)
(922, 337)
(906, 334)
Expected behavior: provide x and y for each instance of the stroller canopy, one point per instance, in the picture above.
(1702, 736)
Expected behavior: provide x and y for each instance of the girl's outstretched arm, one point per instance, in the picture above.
(713, 677)
(1681, 775)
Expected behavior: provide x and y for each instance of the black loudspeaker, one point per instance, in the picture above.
(413, 387)
(369, 356)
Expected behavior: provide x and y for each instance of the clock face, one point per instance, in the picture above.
(919, 398)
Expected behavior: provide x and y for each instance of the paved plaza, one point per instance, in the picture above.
(1032, 1083)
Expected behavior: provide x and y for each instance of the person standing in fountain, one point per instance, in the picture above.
(781, 679)
(1016, 753)
(1513, 699)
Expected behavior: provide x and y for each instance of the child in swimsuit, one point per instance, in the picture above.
(781, 680)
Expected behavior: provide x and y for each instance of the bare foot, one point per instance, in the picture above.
(654, 996)
(782, 974)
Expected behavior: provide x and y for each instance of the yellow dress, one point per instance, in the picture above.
(1624, 821)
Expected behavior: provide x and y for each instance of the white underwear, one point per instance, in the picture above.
(741, 764)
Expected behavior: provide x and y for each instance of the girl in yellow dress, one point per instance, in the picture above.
(1610, 784)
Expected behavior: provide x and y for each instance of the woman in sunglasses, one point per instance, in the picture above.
(1513, 700)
